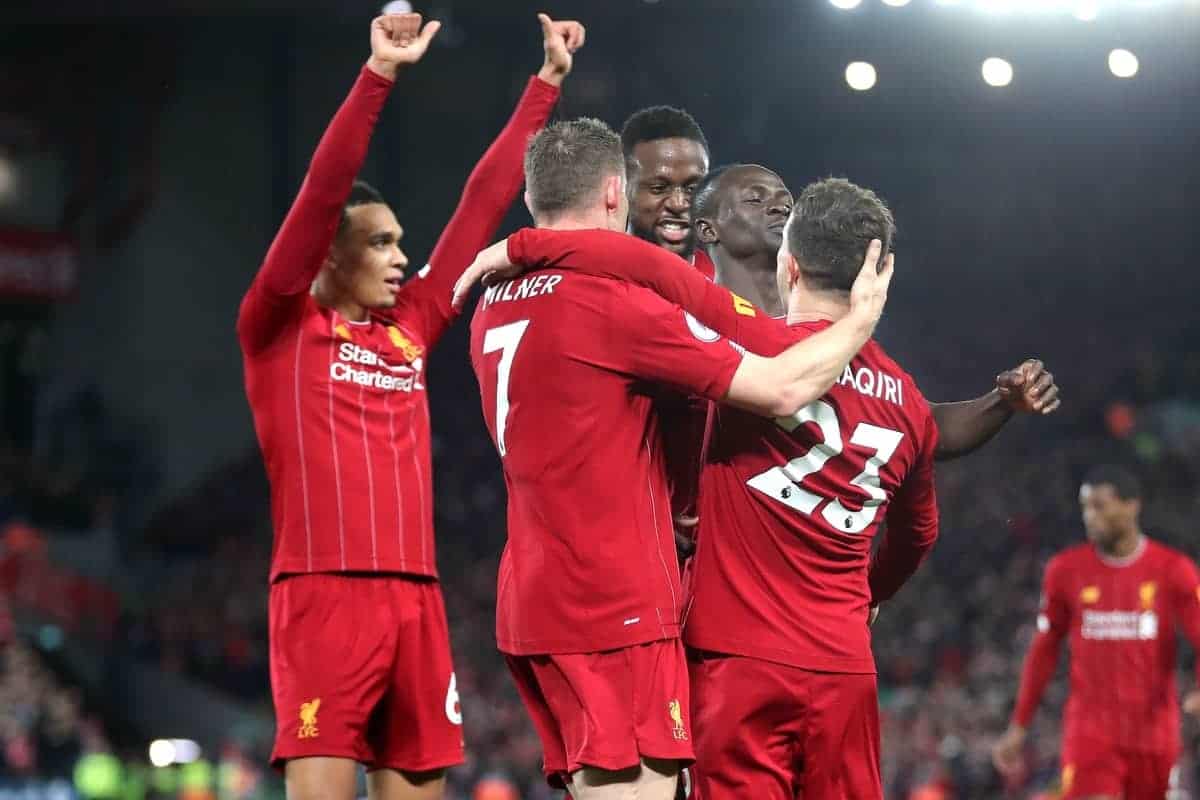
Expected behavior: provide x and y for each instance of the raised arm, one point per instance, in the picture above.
(303, 241)
(495, 182)
(1052, 624)
(611, 254)
(968, 425)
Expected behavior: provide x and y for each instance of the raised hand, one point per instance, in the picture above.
(398, 40)
(1029, 389)
(560, 40)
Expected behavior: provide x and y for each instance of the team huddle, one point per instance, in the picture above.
(701, 442)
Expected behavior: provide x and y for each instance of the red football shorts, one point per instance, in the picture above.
(774, 732)
(608, 709)
(361, 669)
(1096, 768)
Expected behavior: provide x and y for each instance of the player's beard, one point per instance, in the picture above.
(688, 245)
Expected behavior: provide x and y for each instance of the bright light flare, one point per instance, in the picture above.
(997, 72)
(845, 5)
(860, 75)
(1123, 63)
(162, 753)
(1086, 11)
(896, 3)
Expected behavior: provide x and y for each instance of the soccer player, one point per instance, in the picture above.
(589, 603)
(783, 680)
(335, 349)
(666, 158)
(1119, 599)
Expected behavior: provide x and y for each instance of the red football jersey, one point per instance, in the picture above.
(564, 363)
(1121, 618)
(790, 507)
(704, 264)
(340, 407)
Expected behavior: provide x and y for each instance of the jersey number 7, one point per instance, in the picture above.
(506, 339)
(782, 484)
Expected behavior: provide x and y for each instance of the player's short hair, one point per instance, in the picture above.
(361, 194)
(1124, 483)
(833, 223)
(704, 199)
(659, 122)
(566, 162)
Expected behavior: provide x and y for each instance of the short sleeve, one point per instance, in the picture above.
(657, 341)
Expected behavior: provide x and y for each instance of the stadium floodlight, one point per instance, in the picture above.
(162, 753)
(1086, 11)
(896, 3)
(1123, 63)
(845, 4)
(997, 72)
(397, 7)
(186, 751)
(860, 75)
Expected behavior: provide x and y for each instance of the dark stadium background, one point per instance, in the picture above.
(154, 147)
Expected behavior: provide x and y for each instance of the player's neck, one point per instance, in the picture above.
(327, 296)
(753, 278)
(1125, 546)
(579, 221)
(809, 306)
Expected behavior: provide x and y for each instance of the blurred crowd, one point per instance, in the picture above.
(43, 727)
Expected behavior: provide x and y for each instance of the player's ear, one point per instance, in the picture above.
(529, 204)
(793, 270)
(613, 189)
(705, 232)
(331, 260)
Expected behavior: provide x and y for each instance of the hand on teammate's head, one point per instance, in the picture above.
(868, 295)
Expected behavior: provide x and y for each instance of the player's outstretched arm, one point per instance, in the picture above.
(1040, 663)
(968, 425)
(496, 180)
(303, 241)
(781, 386)
(619, 256)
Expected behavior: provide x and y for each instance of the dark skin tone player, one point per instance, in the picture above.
(664, 173)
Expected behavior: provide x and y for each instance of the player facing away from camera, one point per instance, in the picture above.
(589, 604)
(1118, 600)
(783, 680)
(335, 348)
